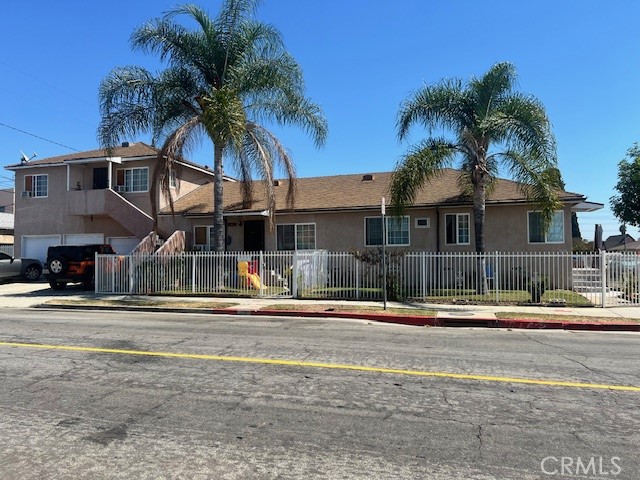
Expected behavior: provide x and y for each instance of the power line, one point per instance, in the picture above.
(47, 106)
(47, 84)
(36, 136)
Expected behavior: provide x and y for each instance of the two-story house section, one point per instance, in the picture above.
(94, 197)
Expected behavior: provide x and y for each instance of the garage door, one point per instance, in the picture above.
(83, 238)
(35, 246)
(123, 245)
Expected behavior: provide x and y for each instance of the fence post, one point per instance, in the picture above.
(357, 277)
(193, 272)
(261, 274)
(603, 278)
(424, 276)
(294, 275)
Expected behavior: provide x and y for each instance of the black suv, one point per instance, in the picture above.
(73, 263)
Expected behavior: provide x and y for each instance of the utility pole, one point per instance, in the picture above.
(384, 256)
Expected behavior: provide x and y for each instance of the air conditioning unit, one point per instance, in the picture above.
(27, 194)
(121, 189)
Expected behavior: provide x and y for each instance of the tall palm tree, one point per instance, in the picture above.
(223, 81)
(491, 125)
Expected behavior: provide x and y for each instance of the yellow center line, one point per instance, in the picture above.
(334, 366)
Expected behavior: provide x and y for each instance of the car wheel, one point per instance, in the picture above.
(32, 272)
(57, 285)
(57, 265)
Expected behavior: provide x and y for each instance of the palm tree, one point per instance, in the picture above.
(491, 125)
(223, 81)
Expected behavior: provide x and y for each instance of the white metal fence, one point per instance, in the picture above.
(8, 249)
(605, 279)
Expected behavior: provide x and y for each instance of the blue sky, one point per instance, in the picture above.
(360, 58)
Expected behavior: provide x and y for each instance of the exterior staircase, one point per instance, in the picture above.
(587, 280)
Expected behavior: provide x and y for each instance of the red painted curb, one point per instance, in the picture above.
(442, 322)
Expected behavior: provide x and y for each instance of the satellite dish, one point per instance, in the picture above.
(25, 159)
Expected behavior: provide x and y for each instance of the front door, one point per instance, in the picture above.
(100, 178)
(254, 235)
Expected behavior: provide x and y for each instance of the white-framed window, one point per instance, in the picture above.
(423, 222)
(457, 229)
(296, 236)
(536, 233)
(36, 185)
(173, 180)
(203, 236)
(397, 231)
(132, 179)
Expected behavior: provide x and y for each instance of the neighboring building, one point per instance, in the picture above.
(342, 213)
(631, 246)
(615, 241)
(6, 228)
(93, 197)
(6, 200)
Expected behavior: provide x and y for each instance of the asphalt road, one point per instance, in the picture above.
(104, 414)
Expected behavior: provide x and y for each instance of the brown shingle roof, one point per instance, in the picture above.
(348, 192)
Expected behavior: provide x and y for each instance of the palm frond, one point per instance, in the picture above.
(489, 90)
(537, 180)
(127, 104)
(522, 124)
(418, 167)
(444, 105)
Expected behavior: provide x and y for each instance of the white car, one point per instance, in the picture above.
(27, 268)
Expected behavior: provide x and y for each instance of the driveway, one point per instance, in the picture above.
(27, 294)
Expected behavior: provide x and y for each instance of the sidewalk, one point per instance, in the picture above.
(38, 294)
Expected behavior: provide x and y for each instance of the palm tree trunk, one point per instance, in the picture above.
(479, 205)
(218, 201)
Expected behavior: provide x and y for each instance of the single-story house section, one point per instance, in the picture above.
(615, 241)
(94, 197)
(343, 213)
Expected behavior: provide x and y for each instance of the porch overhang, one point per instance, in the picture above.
(93, 160)
(263, 213)
(587, 207)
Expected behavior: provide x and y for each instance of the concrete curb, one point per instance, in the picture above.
(412, 320)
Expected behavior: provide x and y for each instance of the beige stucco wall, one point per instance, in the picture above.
(49, 215)
(506, 229)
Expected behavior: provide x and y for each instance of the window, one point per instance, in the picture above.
(36, 185)
(298, 236)
(555, 232)
(133, 179)
(203, 235)
(423, 222)
(397, 231)
(173, 181)
(457, 229)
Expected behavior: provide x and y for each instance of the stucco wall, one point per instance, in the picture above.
(506, 229)
(44, 216)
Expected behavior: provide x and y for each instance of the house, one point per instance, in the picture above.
(6, 228)
(630, 246)
(6, 200)
(343, 213)
(615, 241)
(94, 197)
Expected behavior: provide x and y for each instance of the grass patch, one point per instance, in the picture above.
(326, 307)
(561, 318)
(142, 303)
(227, 292)
(509, 296)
